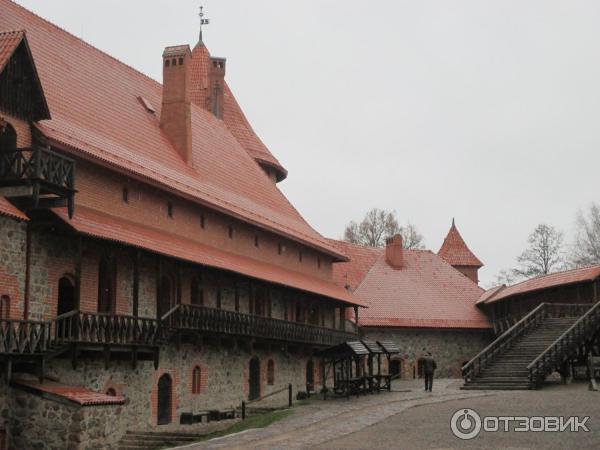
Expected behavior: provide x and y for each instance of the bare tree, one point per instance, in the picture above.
(544, 254)
(586, 248)
(377, 226)
(505, 276)
(411, 238)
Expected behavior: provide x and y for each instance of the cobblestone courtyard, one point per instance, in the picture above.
(412, 419)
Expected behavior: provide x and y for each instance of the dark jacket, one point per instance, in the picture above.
(429, 365)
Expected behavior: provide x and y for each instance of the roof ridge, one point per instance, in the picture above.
(538, 277)
(63, 30)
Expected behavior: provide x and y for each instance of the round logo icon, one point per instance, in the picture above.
(465, 424)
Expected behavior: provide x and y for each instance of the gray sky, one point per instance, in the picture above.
(485, 111)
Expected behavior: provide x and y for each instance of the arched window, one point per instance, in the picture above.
(270, 373)
(106, 286)
(197, 291)
(5, 307)
(8, 138)
(196, 377)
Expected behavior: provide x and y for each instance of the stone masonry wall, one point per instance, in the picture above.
(450, 348)
(13, 238)
(42, 423)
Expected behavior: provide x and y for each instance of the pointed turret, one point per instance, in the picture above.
(211, 92)
(455, 252)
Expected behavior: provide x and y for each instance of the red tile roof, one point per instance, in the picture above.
(7, 209)
(96, 114)
(233, 115)
(9, 41)
(426, 292)
(362, 259)
(102, 225)
(75, 394)
(552, 280)
(455, 252)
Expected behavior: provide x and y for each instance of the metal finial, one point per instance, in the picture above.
(203, 21)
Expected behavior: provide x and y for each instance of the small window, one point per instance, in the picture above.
(300, 256)
(196, 377)
(256, 242)
(230, 231)
(181, 61)
(126, 195)
(170, 209)
(202, 221)
(167, 63)
(270, 373)
(174, 62)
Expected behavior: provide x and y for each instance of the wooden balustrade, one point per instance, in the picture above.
(566, 344)
(39, 164)
(220, 321)
(533, 319)
(24, 337)
(113, 329)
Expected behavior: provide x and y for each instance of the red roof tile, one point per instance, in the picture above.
(455, 252)
(426, 292)
(362, 259)
(96, 114)
(113, 228)
(7, 209)
(9, 41)
(233, 116)
(542, 282)
(75, 394)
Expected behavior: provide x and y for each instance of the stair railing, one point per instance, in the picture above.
(503, 342)
(564, 345)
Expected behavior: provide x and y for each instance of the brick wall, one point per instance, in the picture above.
(13, 236)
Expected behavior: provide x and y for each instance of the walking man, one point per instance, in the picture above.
(429, 367)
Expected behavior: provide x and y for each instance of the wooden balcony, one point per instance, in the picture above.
(223, 322)
(24, 337)
(37, 177)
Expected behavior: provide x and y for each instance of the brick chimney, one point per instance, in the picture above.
(176, 114)
(216, 81)
(394, 251)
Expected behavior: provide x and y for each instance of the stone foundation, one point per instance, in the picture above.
(451, 348)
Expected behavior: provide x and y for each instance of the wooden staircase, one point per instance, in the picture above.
(534, 347)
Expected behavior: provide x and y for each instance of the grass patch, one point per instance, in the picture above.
(258, 421)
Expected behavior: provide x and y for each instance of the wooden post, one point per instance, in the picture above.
(136, 283)
(356, 318)
(290, 395)
(27, 272)
(243, 410)
(78, 264)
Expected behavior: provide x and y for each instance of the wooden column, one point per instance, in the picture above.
(356, 318)
(78, 264)
(159, 272)
(136, 283)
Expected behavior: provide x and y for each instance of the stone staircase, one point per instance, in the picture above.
(150, 440)
(509, 370)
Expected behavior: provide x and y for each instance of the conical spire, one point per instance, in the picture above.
(455, 251)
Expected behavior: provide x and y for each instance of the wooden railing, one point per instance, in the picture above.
(95, 328)
(565, 345)
(220, 321)
(24, 337)
(505, 341)
(37, 164)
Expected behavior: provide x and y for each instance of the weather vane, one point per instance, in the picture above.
(203, 21)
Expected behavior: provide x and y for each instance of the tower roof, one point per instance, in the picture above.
(233, 116)
(455, 252)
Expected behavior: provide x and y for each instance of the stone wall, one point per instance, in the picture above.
(40, 423)
(224, 379)
(13, 237)
(451, 348)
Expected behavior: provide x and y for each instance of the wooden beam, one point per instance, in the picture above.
(136, 282)
(16, 191)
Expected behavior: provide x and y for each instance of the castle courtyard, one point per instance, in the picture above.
(409, 418)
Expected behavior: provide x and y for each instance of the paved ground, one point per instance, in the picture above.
(413, 419)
